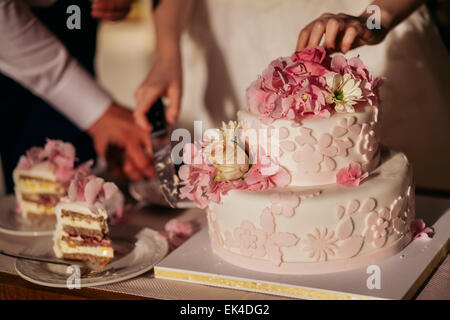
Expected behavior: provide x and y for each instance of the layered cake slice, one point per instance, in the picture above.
(82, 227)
(41, 178)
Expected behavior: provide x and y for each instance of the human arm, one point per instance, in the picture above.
(31, 55)
(165, 76)
(343, 32)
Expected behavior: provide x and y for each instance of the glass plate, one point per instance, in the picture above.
(13, 223)
(136, 251)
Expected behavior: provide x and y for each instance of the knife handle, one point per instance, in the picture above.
(157, 118)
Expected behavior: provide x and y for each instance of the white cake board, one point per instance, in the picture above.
(401, 276)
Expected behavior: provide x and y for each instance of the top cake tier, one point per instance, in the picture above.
(315, 149)
(325, 111)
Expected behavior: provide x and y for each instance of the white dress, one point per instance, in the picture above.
(229, 42)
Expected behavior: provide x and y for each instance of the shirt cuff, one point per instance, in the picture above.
(79, 97)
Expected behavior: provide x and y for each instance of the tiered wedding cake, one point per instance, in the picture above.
(300, 184)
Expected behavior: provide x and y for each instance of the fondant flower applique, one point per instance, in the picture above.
(320, 244)
(284, 203)
(351, 176)
(376, 230)
(420, 230)
(255, 242)
(368, 144)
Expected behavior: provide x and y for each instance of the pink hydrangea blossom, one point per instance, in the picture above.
(420, 230)
(294, 87)
(354, 66)
(351, 176)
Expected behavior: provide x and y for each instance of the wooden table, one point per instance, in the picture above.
(147, 287)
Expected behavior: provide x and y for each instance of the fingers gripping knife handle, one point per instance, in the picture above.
(157, 118)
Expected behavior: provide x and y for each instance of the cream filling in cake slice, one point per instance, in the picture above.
(37, 190)
(82, 232)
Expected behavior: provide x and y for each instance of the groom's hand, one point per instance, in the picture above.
(116, 127)
(111, 10)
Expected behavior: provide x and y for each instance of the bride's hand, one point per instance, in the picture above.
(342, 33)
(163, 80)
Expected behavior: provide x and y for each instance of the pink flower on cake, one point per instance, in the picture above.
(346, 125)
(312, 59)
(320, 244)
(311, 100)
(291, 87)
(265, 174)
(250, 240)
(351, 176)
(295, 87)
(367, 144)
(199, 184)
(420, 230)
(376, 229)
(212, 168)
(256, 242)
(355, 67)
(308, 159)
(284, 203)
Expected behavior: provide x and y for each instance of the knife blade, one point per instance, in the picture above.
(162, 156)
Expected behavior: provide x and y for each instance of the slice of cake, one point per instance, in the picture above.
(41, 178)
(82, 227)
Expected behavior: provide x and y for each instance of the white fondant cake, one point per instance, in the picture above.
(315, 149)
(312, 192)
(329, 228)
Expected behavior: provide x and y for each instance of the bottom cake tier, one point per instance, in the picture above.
(329, 228)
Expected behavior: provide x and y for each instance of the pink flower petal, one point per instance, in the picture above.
(92, 189)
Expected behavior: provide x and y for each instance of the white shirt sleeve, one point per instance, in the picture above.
(34, 57)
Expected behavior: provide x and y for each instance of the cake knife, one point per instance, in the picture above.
(41, 259)
(162, 157)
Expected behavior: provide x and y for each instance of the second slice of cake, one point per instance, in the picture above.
(82, 228)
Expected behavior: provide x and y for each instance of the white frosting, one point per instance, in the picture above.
(35, 208)
(81, 208)
(39, 187)
(62, 247)
(320, 127)
(317, 208)
(79, 223)
(43, 170)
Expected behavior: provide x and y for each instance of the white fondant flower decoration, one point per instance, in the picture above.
(344, 92)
